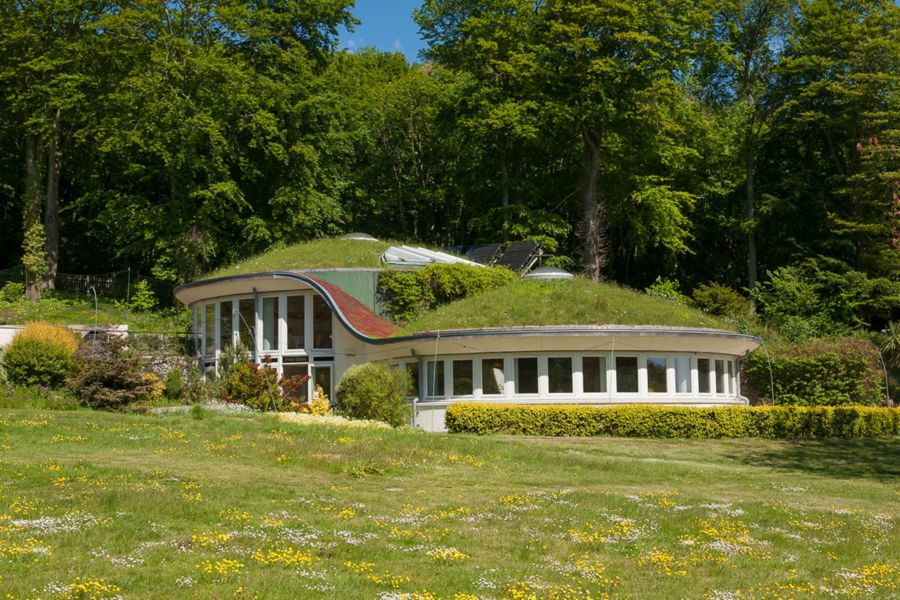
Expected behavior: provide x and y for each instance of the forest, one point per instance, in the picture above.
(674, 145)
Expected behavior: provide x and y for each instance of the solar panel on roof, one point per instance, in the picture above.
(485, 255)
(520, 256)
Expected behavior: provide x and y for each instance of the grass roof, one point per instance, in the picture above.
(317, 254)
(576, 301)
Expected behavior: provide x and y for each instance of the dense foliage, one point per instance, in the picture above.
(748, 143)
(111, 377)
(406, 294)
(40, 354)
(834, 372)
(674, 422)
(374, 391)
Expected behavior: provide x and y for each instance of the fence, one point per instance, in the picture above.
(109, 286)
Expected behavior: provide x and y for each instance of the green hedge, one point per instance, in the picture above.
(820, 372)
(674, 421)
(405, 294)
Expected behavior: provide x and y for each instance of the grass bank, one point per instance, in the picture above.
(250, 507)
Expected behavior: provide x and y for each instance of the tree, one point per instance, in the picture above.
(48, 75)
(611, 71)
(752, 31)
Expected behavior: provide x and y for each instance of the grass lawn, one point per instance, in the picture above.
(576, 301)
(129, 506)
(67, 309)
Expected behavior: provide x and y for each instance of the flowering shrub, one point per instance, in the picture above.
(674, 422)
(41, 354)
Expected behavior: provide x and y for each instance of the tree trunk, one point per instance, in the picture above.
(593, 226)
(504, 190)
(32, 208)
(751, 224)
(51, 208)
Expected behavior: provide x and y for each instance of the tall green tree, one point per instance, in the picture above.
(49, 76)
(611, 70)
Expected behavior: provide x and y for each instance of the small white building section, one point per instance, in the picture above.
(306, 326)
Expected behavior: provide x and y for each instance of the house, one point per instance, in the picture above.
(312, 310)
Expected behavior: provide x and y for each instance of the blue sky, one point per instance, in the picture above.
(387, 25)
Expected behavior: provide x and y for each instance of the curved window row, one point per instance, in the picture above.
(625, 376)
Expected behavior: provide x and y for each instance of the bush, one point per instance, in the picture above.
(674, 422)
(112, 378)
(41, 354)
(668, 289)
(374, 391)
(820, 372)
(253, 385)
(720, 300)
(406, 294)
(144, 299)
(175, 387)
(12, 292)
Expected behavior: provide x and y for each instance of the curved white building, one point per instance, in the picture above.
(309, 325)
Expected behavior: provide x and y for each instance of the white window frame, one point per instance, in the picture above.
(641, 376)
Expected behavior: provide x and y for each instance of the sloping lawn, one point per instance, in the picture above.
(127, 506)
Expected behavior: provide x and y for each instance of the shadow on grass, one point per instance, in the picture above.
(869, 459)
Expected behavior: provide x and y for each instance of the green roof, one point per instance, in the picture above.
(330, 253)
(577, 301)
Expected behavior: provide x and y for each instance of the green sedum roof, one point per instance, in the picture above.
(330, 253)
(575, 301)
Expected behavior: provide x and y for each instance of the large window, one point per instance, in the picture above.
(559, 374)
(322, 378)
(210, 331)
(593, 369)
(721, 378)
(226, 322)
(657, 376)
(462, 378)
(247, 323)
(296, 388)
(493, 379)
(527, 375)
(321, 323)
(412, 374)
(627, 374)
(434, 372)
(296, 322)
(732, 380)
(682, 374)
(270, 323)
(703, 375)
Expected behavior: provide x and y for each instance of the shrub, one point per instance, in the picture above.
(143, 299)
(406, 294)
(253, 385)
(674, 422)
(175, 387)
(668, 289)
(820, 372)
(320, 404)
(12, 292)
(374, 391)
(41, 354)
(720, 300)
(111, 378)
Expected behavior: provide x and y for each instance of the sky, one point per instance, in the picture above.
(387, 25)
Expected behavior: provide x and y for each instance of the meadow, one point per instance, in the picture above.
(200, 505)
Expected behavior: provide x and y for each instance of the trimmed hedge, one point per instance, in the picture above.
(674, 421)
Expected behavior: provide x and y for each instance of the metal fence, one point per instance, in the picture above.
(109, 286)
